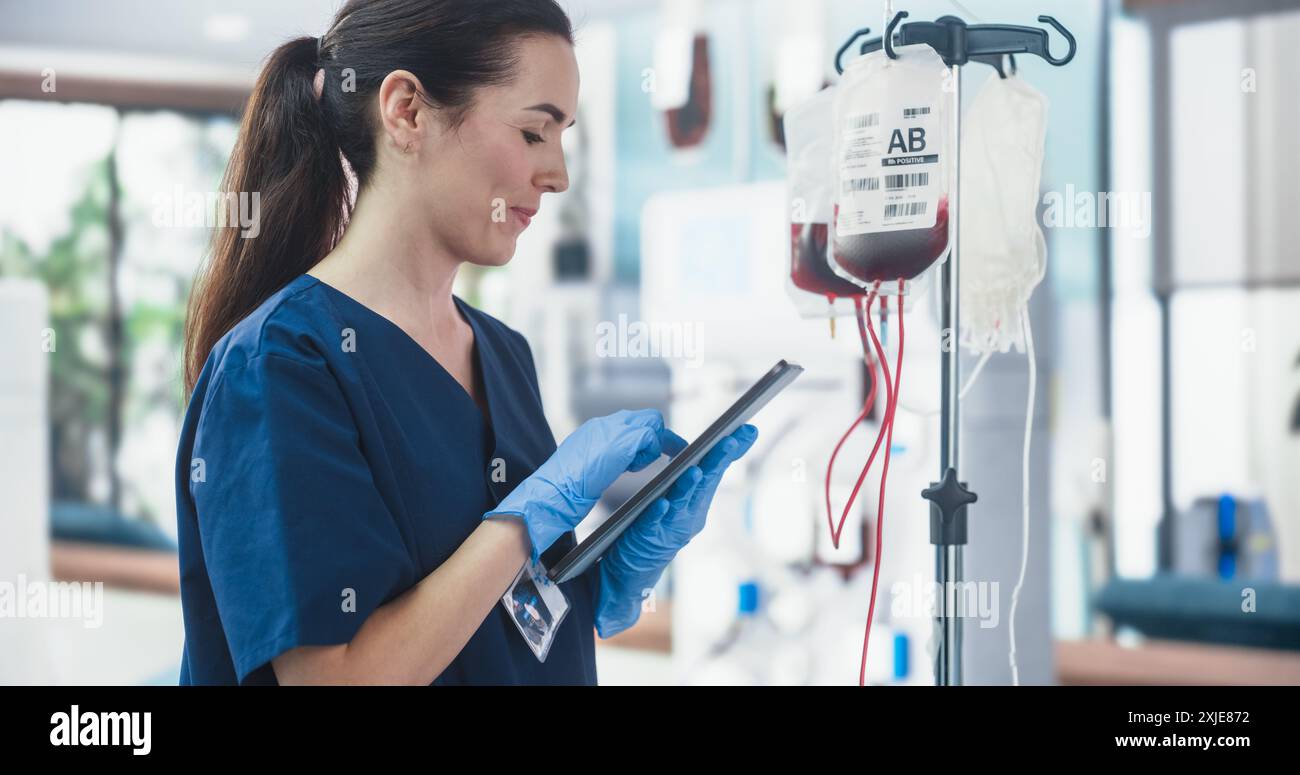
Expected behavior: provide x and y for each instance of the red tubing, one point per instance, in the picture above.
(880, 435)
(892, 404)
(836, 531)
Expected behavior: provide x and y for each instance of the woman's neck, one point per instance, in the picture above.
(400, 274)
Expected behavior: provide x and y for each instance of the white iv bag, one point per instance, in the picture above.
(1002, 250)
(816, 291)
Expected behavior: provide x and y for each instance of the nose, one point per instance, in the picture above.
(554, 177)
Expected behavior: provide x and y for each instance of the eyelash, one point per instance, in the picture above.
(532, 138)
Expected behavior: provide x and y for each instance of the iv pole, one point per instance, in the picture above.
(958, 44)
(948, 570)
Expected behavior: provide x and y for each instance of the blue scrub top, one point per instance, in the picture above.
(327, 464)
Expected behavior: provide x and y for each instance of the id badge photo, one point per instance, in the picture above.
(537, 606)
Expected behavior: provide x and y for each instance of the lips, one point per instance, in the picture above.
(524, 214)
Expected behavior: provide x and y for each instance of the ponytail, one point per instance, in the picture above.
(287, 164)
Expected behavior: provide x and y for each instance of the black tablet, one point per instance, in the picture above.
(584, 554)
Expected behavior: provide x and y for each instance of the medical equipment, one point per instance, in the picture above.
(890, 181)
(887, 431)
(837, 529)
(1229, 537)
(957, 44)
(888, 225)
(1005, 252)
(811, 284)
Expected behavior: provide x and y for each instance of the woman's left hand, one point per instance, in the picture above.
(640, 555)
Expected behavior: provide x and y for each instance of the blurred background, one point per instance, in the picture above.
(1165, 470)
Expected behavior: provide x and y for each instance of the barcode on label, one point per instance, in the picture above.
(861, 184)
(864, 120)
(907, 180)
(914, 112)
(905, 209)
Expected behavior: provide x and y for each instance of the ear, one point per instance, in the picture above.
(404, 115)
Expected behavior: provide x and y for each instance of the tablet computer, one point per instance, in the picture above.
(594, 546)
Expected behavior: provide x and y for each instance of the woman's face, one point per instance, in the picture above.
(481, 183)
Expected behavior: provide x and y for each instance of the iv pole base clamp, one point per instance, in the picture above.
(948, 501)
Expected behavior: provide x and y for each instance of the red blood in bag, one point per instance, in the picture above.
(808, 267)
(886, 256)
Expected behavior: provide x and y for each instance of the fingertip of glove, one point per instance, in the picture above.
(744, 439)
(686, 483)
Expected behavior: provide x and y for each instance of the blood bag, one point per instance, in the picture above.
(890, 167)
(1003, 252)
(815, 289)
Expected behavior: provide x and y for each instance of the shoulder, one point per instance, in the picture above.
(272, 370)
(293, 324)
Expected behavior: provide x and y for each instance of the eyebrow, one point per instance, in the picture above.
(552, 111)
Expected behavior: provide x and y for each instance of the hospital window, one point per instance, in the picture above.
(96, 224)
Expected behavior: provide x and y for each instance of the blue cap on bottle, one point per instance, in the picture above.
(748, 597)
(901, 666)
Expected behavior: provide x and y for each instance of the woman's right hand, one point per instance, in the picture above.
(564, 489)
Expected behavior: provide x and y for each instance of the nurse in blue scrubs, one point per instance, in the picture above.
(365, 464)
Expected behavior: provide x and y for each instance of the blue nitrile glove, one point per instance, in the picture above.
(640, 555)
(563, 490)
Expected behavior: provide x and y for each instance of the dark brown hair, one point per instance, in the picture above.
(292, 148)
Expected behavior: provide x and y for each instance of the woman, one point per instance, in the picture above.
(364, 465)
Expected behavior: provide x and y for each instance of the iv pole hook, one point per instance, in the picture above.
(1069, 39)
(839, 55)
(889, 33)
